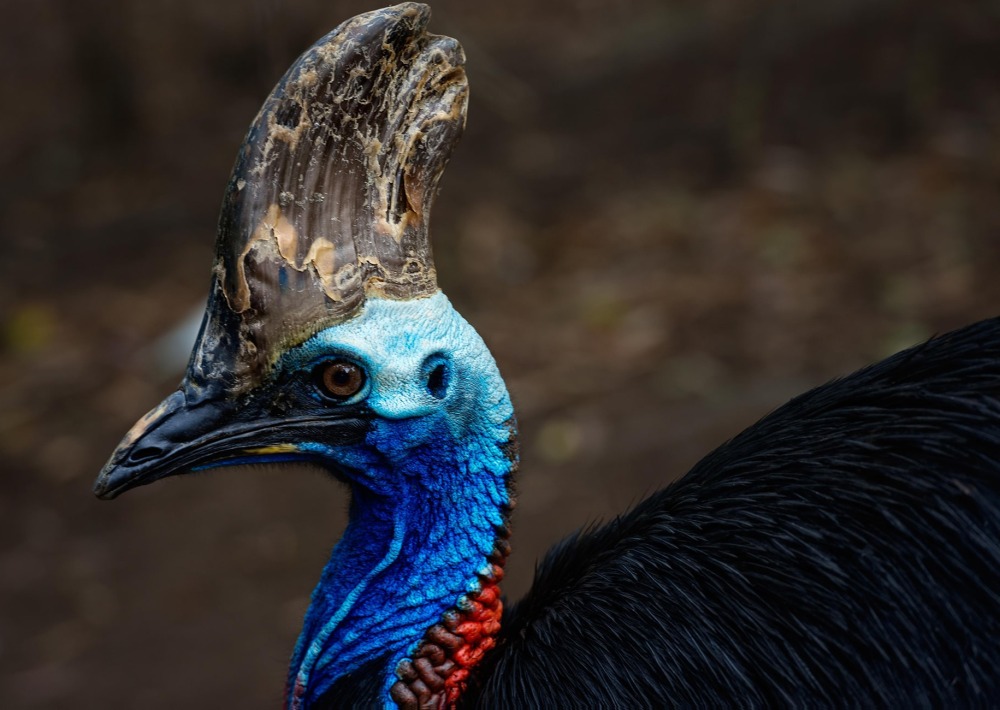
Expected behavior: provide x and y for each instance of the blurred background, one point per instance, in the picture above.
(666, 217)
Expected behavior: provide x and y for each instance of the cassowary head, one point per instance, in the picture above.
(326, 339)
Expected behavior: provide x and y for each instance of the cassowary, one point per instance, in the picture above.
(845, 550)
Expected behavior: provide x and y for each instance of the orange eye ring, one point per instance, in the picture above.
(341, 379)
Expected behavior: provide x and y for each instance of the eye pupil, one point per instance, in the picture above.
(342, 379)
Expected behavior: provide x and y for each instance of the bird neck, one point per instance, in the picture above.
(428, 553)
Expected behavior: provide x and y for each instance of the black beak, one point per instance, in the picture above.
(188, 432)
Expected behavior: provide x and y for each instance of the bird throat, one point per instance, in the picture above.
(414, 581)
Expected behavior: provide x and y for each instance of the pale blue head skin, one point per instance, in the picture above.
(429, 486)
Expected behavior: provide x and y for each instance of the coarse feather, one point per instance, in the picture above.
(843, 550)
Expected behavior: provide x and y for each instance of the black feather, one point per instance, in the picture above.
(845, 550)
(360, 690)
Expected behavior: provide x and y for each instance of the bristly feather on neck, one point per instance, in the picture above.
(424, 548)
(438, 672)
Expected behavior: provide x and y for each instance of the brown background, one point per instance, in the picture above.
(665, 217)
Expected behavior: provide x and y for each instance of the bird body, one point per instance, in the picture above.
(842, 551)
(845, 550)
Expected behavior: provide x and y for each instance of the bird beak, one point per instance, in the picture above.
(189, 432)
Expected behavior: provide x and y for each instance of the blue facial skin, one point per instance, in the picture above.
(429, 485)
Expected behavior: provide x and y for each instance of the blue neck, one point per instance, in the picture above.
(406, 557)
(429, 487)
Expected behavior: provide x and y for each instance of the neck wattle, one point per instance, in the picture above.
(438, 670)
(413, 583)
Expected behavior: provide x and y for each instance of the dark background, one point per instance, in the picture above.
(665, 217)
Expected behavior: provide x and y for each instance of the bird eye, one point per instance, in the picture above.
(340, 379)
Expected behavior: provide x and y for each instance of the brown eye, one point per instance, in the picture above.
(341, 379)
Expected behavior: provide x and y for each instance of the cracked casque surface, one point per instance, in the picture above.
(330, 196)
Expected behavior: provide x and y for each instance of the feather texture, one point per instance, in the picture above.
(844, 550)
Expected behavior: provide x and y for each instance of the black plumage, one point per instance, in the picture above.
(845, 550)
(359, 689)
